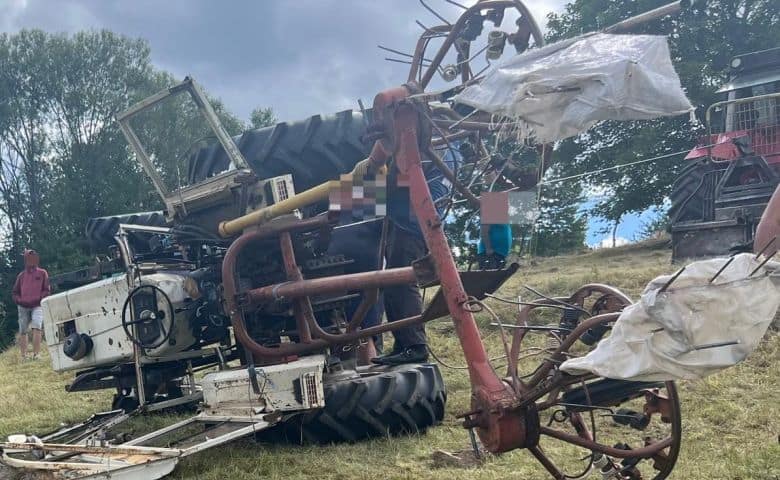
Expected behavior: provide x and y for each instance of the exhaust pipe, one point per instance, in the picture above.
(635, 21)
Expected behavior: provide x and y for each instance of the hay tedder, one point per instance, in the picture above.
(237, 277)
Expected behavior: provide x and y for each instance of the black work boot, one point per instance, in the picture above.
(413, 354)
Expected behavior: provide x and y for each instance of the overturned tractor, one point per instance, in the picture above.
(238, 275)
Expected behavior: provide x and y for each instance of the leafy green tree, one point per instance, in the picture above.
(63, 158)
(562, 225)
(263, 117)
(654, 226)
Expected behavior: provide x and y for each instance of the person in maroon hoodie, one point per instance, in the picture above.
(32, 286)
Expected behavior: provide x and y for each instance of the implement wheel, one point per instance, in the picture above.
(588, 423)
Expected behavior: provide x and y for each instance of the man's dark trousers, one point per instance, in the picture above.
(403, 301)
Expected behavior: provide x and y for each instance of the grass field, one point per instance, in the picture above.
(731, 420)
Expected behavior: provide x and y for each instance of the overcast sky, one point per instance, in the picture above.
(299, 57)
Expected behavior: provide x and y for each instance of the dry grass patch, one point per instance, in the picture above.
(731, 420)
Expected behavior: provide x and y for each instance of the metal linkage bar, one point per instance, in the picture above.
(120, 461)
(637, 20)
(326, 285)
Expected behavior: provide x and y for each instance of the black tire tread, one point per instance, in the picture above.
(312, 151)
(400, 400)
(100, 231)
(688, 193)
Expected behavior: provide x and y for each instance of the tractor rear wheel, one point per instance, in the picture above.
(312, 151)
(693, 193)
(371, 402)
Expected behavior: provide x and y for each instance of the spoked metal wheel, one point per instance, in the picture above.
(619, 429)
(634, 437)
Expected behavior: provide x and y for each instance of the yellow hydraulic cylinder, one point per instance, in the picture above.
(229, 228)
(320, 192)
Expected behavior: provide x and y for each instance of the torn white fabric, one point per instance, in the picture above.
(666, 335)
(562, 89)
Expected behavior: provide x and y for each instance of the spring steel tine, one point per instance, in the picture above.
(422, 26)
(392, 50)
(671, 280)
(559, 302)
(434, 12)
(482, 71)
(453, 2)
(764, 262)
(396, 60)
(543, 328)
(398, 52)
(715, 345)
(768, 244)
(721, 269)
(462, 119)
(407, 62)
(363, 112)
(429, 34)
(474, 444)
(582, 405)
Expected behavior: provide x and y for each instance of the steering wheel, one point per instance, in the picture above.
(149, 317)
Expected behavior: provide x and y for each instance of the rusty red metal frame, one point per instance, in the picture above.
(300, 288)
(503, 411)
(526, 29)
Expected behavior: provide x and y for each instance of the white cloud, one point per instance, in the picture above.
(607, 242)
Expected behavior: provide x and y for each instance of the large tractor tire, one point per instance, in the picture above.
(312, 151)
(375, 402)
(100, 231)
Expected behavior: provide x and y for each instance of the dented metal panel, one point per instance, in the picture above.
(90, 462)
(132, 460)
(96, 310)
(292, 386)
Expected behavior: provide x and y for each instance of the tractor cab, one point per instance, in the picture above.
(733, 171)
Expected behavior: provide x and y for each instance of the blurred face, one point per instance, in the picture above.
(31, 259)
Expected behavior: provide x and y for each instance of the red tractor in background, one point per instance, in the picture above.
(718, 199)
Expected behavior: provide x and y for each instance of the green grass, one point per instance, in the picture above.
(731, 420)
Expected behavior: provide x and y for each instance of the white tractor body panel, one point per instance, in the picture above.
(96, 310)
(289, 386)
